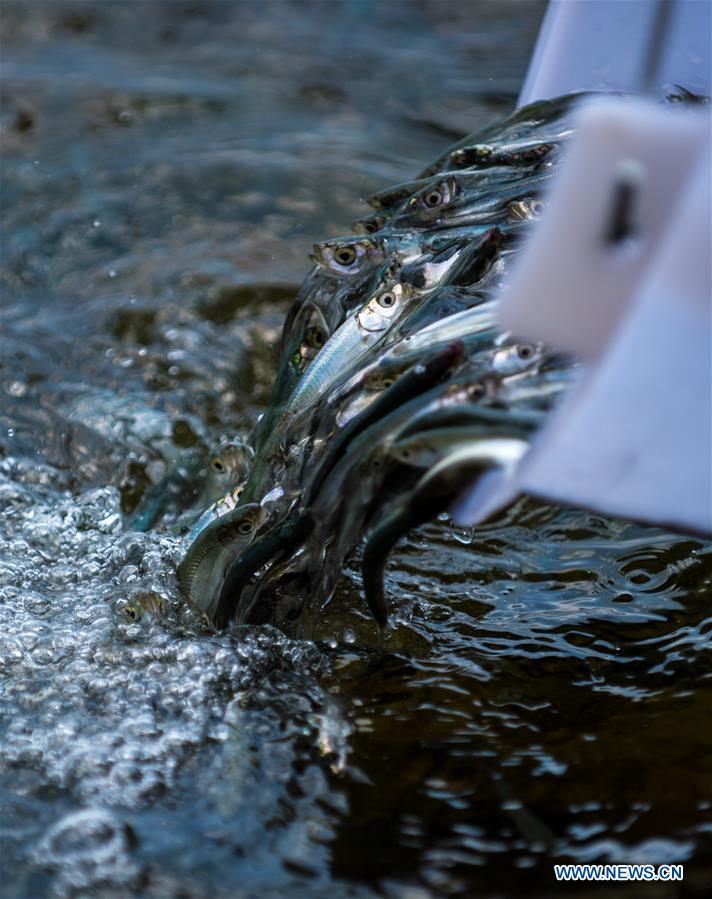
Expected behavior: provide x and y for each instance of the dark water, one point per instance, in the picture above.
(544, 694)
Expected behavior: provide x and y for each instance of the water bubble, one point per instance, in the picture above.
(87, 850)
(16, 388)
(464, 535)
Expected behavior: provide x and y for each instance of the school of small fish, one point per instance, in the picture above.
(395, 388)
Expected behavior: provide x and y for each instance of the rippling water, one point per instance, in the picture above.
(544, 694)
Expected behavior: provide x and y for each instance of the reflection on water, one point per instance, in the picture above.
(544, 692)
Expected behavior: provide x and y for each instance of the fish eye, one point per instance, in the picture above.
(537, 207)
(405, 454)
(131, 612)
(536, 153)
(387, 382)
(387, 299)
(525, 351)
(238, 491)
(316, 337)
(245, 527)
(477, 391)
(433, 198)
(218, 465)
(345, 256)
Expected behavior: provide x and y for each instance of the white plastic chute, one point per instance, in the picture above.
(635, 438)
(620, 45)
(574, 280)
(618, 272)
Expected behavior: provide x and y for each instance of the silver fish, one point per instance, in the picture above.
(352, 256)
(203, 568)
(215, 510)
(432, 494)
(526, 210)
(425, 449)
(547, 116)
(516, 358)
(349, 344)
(469, 207)
(480, 320)
(227, 467)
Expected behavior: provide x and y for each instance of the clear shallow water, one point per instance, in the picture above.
(545, 691)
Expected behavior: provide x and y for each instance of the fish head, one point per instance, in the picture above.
(485, 388)
(247, 523)
(529, 155)
(347, 257)
(379, 380)
(229, 465)
(392, 197)
(414, 451)
(477, 155)
(237, 529)
(369, 224)
(310, 335)
(435, 196)
(516, 358)
(203, 567)
(384, 307)
(485, 156)
(525, 210)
